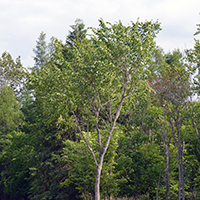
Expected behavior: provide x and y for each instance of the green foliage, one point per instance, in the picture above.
(11, 72)
(77, 34)
(76, 87)
(10, 114)
(139, 165)
(16, 160)
(40, 51)
(82, 167)
(12, 77)
(47, 176)
(93, 83)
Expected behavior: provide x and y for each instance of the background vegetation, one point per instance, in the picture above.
(56, 118)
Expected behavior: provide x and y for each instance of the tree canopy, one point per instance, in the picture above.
(104, 115)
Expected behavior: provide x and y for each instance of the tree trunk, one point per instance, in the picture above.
(166, 148)
(167, 171)
(182, 175)
(97, 181)
(157, 191)
(178, 140)
(179, 177)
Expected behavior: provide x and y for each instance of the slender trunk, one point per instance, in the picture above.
(166, 148)
(177, 140)
(179, 178)
(97, 181)
(180, 157)
(181, 194)
(167, 171)
(182, 176)
(157, 191)
(104, 150)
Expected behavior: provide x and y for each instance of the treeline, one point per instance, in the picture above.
(107, 109)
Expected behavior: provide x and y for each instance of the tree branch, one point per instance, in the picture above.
(89, 147)
(192, 117)
(115, 119)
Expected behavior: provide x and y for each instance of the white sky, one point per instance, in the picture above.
(23, 20)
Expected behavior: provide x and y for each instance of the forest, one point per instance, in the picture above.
(106, 114)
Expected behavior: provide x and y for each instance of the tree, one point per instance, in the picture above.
(40, 51)
(12, 78)
(10, 114)
(11, 72)
(11, 119)
(77, 34)
(82, 168)
(192, 153)
(172, 87)
(16, 160)
(156, 68)
(140, 164)
(193, 57)
(49, 169)
(113, 67)
(106, 71)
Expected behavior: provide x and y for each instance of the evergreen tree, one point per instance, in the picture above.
(40, 52)
(77, 34)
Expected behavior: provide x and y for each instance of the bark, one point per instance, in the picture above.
(182, 177)
(179, 155)
(101, 157)
(181, 174)
(157, 191)
(166, 148)
(97, 181)
(167, 170)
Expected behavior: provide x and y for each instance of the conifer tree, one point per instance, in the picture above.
(40, 52)
(77, 34)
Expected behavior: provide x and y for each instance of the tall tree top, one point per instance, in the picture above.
(40, 51)
(11, 72)
(77, 34)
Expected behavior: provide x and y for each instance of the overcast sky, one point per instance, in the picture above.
(23, 20)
